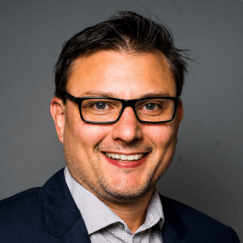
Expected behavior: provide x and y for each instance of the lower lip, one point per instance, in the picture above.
(130, 164)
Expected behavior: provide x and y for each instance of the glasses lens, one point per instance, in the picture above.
(155, 110)
(100, 110)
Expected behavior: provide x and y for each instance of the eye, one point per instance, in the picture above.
(150, 106)
(100, 105)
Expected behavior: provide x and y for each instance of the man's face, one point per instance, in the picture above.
(86, 146)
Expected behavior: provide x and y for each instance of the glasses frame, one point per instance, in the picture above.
(125, 103)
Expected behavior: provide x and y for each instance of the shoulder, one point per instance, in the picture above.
(22, 199)
(188, 214)
(196, 223)
(20, 216)
(20, 208)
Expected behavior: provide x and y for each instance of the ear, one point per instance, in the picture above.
(180, 113)
(57, 109)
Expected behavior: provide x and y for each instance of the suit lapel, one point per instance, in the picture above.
(169, 234)
(77, 233)
(174, 228)
(59, 213)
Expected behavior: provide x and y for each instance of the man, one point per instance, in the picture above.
(117, 113)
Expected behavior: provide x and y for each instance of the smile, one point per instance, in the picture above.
(126, 161)
(123, 157)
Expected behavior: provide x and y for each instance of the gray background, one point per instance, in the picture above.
(207, 169)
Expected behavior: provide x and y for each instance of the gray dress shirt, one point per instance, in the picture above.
(103, 225)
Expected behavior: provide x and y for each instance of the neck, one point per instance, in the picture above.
(133, 213)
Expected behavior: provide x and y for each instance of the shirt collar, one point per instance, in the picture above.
(97, 215)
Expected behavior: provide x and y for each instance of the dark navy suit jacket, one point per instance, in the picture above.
(49, 214)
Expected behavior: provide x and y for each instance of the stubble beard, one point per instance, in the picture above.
(123, 194)
(110, 193)
(103, 189)
(128, 195)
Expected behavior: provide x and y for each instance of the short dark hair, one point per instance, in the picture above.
(127, 31)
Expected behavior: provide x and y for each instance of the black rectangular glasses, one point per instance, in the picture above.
(102, 110)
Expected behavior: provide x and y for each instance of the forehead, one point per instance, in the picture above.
(124, 75)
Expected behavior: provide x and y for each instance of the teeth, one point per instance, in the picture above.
(124, 157)
(131, 157)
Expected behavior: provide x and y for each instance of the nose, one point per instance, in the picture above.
(127, 128)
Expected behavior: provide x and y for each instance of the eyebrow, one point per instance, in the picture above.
(156, 94)
(112, 95)
(100, 94)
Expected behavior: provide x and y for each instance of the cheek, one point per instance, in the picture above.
(79, 132)
(90, 135)
(161, 135)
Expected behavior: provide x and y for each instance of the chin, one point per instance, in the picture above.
(124, 193)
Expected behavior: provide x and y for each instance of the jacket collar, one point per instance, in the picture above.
(174, 229)
(61, 217)
(59, 213)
